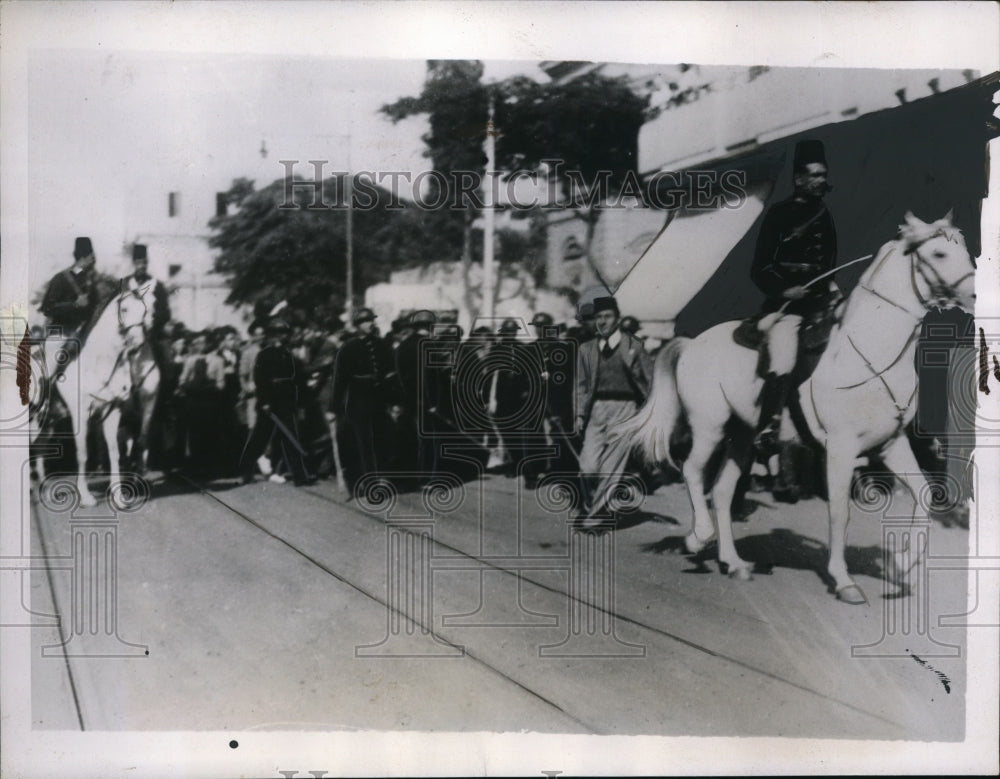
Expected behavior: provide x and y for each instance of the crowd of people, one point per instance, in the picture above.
(294, 403)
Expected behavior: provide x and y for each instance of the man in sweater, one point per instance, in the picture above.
(613, 376)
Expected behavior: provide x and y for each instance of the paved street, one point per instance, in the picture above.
(274, 607)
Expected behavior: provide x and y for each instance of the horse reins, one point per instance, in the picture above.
(935, 288)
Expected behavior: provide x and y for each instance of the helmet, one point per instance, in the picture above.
(363, 315)
(630, 325)
(423, 317)
(276, 326)
(449, 332)
(542, 319)
(509, 326)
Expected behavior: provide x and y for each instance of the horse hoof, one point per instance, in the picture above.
(87, 500)
(899, 573)
(740, 573)
(853, 594)
(693, 544)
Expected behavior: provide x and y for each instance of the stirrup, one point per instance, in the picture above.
(767, 442)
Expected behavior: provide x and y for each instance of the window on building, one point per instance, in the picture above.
(173, 203)
(221, 204)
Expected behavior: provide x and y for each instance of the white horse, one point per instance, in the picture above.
(114, 362)
(858, 400)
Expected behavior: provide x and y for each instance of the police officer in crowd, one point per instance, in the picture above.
(797, 243)
(510, 392)
(413, 377)
(557, 364)
(364, 384)
(279, 379)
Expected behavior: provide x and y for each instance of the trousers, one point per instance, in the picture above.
(783, 343)
(603, 457)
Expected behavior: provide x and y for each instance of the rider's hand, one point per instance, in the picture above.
(82, 300)
(580, 425)
(796, 293)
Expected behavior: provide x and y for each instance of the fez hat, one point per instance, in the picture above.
(808, 151)
(139, 252)
(542, 319)
(605, 304)
(82, 248)
(509, 326)
(363, 315)
(423, 317)
(629, 324)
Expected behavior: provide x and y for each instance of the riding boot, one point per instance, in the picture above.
(772, 405)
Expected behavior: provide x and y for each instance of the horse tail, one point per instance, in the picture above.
(650, 429)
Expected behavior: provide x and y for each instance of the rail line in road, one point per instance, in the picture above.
(518, 572)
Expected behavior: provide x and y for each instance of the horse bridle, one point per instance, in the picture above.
(941, 292)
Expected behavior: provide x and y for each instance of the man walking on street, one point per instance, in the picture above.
(613, 376)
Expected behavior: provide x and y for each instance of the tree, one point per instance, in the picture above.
(456, 103)
(288, 242)
(589, 126)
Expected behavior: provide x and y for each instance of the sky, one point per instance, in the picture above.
(112, 132)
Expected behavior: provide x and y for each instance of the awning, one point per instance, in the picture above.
(685, 254)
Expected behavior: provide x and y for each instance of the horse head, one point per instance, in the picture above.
(134, 318)
(941, 269)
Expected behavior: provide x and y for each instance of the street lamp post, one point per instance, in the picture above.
(489, 218)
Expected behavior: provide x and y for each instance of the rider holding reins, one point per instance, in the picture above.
(797, 243)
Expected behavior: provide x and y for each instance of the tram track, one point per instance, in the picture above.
(451, 549)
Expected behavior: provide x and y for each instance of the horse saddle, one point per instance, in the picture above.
(814, 335)
(748, 333)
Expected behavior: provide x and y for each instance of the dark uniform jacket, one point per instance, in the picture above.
(797, 243)
(519, 369)
(407, 360)
(279, 378)
(364, 370)
(60, 301)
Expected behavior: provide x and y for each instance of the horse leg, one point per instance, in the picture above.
(705, 439)
(899, 458)
(839, 471)
(110, 426)
(86, 497)
(722, 498)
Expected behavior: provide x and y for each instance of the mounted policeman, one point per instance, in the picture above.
(71, 300)
(796, 245)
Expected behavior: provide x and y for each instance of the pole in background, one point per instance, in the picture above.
(489, 222)
(349, 193)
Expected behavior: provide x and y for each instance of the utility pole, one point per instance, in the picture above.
(349, 193)
(489, 220)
